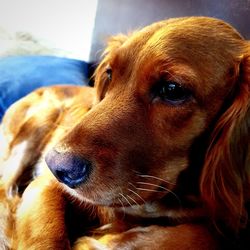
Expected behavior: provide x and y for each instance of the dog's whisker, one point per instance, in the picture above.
(130, 183)
(125, 198)
(121, 202)
(157, 178)
(136, 171)
(152, 184)
(152, 190)
(135, 202)
(122, 207)
(132, 191)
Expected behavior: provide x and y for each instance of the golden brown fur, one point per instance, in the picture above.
(165, 172)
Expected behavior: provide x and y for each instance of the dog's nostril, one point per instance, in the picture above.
(68, 168)
(69, 179)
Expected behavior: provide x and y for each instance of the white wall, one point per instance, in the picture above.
(67, 24)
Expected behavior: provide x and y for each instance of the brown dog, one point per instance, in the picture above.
(161, 160)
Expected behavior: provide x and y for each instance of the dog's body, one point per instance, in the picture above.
(155, 157)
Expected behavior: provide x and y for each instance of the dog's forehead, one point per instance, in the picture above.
(192, 41)
(192, 35)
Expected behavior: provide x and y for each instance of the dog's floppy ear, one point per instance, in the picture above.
(113, 43)
(226, 174)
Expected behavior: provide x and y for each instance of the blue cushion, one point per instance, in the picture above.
(20, 75)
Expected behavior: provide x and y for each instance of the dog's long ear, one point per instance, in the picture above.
(101, 81)
(226, 174)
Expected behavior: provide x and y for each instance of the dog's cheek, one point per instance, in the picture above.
(175, 128)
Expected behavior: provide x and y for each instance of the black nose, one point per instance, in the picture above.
(68, 168)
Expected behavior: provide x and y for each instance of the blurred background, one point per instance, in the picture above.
(79, 28)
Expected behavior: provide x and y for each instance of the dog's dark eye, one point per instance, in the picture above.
(171, 92)
(109, 73)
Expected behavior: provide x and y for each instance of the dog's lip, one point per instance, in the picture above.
(77, 193)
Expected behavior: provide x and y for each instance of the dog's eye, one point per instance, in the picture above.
(171, 92)
(109, 73)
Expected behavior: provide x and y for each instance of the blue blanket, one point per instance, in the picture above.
(20, 75)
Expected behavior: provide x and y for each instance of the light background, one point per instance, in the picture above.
(66, 24)
(82, 26)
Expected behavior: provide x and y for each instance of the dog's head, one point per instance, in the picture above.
(167, 94)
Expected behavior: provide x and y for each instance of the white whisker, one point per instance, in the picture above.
(157, 178)
(120, 202)
(136, 194)
(135, 202)
(154, 185)
(123, 208)
(124, 197)
(132, 185)
(150, 190)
